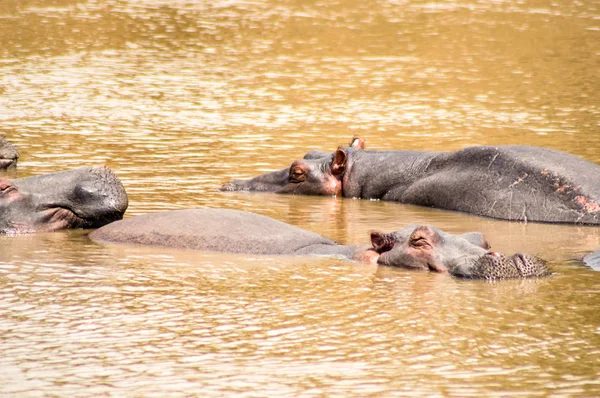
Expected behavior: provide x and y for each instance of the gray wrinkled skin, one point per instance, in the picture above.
(232, 231)
(507, 182)
(86, 197)
(8, 155)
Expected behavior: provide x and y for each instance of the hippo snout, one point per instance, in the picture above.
(230, 186)
(110, 187)
(493, 266)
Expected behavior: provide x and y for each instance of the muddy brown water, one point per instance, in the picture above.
(179, 96)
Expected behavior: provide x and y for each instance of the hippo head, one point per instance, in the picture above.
(316, 176)
(87, 197)
(318, 173)
(8, 155)
(309, 176)
(427, 248)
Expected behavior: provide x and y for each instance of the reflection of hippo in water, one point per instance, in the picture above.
(86, 197)
(506, 182)
(232, 231)
(8, 155)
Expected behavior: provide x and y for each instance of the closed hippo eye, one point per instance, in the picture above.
(297, 175)
(419, 241)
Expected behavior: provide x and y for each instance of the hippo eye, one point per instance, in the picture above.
(419, 241)
(297, 174)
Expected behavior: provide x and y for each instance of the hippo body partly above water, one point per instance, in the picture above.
(414, 247)
(520, 183)
(8, 155)
(86, 197)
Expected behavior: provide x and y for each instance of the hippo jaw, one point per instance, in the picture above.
(88, 197)
(270, 182)
(48, 220)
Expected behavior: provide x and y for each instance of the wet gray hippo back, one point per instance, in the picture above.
(218, 230)
(415, 247)
(509, 182)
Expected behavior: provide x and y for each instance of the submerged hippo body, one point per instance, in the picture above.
(232, 231)
(507, 182)
(86, 197)
(8, 155)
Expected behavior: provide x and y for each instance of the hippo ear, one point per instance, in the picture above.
(424, 235)
(381, 242)
(357, 142)
(477, 238)
(338, 164)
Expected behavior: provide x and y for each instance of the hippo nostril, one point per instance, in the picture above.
(84, 193)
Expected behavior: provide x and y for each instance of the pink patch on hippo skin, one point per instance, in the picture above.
(588, 205)
(333, 186)
(368, 256)
(564, 188)
(495, 254)
(519, 180)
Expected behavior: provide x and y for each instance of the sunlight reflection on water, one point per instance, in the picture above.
(179, 96)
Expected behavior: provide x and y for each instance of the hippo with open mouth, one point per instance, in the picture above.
(86, 197)
(414, 247)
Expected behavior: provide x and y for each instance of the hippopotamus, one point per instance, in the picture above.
(8, 155)
(418, 247)
(521, 183)
(86, 197)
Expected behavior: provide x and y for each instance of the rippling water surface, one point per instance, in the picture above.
(179, 96)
